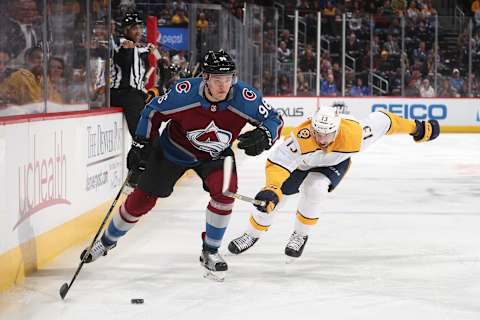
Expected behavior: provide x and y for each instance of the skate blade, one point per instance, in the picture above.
(218, 276)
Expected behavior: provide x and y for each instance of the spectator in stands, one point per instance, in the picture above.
(56, 75)
(426, 90)
(475, 7)
(359, 89)
(25, 85)
(391, 45)
(399, 7)
(446, 90)
(376, 45)
(387, 9)
(180, 60)
(328, 87)
(284, 86)
(303, 86)
(476, 19)
(268, 83)
(202, 22)
(4, 73)
(285, 36)
(355, 22)
(284, 53)
(428, 11)
(202, 27)
(475, 86)
(21, 29)
(77, 88)
(456, 83)
(411, 90)
(308, 63)
(420, 53)
(337, 74)
(329, 14)
(325, 63)
(179, 18)
(412, 11)
(4, 64)
(353, 46)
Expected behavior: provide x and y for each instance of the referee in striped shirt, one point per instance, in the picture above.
(127, 86)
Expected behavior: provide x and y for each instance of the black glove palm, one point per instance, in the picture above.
(254, 142)
(426, 130)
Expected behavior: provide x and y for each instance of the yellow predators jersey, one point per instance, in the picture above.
(300, 150)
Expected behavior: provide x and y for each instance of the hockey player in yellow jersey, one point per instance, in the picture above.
(312, 161)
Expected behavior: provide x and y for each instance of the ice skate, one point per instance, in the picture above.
(98, 250)
(242, 243)
(214, 264)
(295, 246)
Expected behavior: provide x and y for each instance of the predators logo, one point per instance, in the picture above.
(304, 133)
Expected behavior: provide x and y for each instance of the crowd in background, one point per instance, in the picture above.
(63, 55)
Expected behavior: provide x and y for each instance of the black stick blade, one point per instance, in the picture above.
(63, 290)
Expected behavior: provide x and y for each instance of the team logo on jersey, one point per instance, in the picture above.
(304, 133)
(183, 87)
(249, 95)
(212, 139)
(213, 107)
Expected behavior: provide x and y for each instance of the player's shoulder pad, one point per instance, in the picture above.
(349, 137)
(304, 137)
(182, 93)
(246, 98)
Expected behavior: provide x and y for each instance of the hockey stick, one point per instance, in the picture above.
(65, 287)
(227, 175)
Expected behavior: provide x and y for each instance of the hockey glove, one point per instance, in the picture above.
(271, 196)
(426, 130)
(151, 93)
(254, 142)
(137, 159)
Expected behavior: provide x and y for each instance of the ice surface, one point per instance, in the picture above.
(398, 239)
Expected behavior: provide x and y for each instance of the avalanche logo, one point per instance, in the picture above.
(183, 87)
(212, 139)
(249, 95)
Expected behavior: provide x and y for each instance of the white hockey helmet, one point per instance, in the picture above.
(326, 120)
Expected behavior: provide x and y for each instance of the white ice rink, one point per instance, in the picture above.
(398, 239)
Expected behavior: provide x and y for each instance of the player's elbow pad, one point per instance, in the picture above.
(426, 130)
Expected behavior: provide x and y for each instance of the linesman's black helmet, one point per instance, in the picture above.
(131, 19)
(218, 62)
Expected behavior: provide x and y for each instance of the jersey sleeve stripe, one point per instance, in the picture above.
(179, 109)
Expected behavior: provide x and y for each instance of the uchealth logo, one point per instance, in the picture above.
(42, 182)
(212, 139)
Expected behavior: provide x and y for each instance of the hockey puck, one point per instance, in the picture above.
(136, 301)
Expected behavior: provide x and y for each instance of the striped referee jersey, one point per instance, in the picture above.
(129, 66)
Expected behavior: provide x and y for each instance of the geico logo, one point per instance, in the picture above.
(415, 111)
(291, 112)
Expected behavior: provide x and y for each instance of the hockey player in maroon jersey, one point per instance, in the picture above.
(205, 116)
